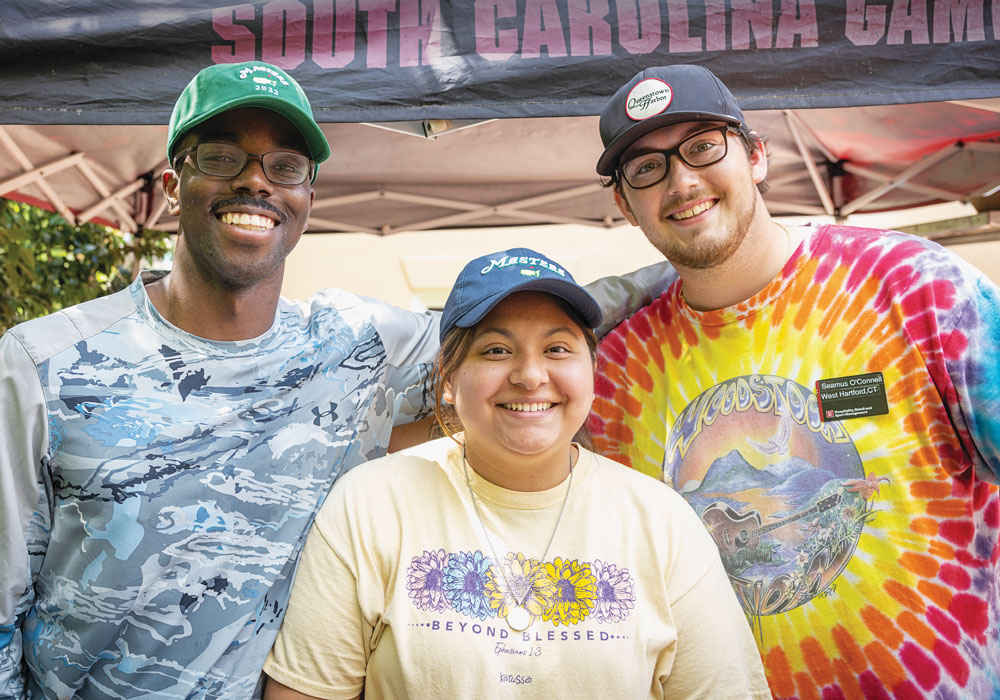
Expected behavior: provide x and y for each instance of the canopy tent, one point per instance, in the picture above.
(868, 105)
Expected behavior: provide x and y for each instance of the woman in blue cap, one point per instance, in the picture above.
(507, 559)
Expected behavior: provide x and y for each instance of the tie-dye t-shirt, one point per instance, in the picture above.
(155, 487)
(860, 534)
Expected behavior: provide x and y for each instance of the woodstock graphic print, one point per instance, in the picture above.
(783, 494)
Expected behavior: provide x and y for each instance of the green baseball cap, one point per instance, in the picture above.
(226, 86)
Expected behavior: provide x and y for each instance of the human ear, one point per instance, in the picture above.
(312, 198)
(758, 161)
(624, 207)
(446, 394)
(171, 185)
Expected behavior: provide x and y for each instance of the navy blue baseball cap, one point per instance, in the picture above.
(658, 97)
(488, 280)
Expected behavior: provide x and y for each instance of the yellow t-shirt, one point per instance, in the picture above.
(398, 591)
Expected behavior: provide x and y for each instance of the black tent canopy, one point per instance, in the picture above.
(481, 112)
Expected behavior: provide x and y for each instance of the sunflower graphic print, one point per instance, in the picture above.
(863, 548)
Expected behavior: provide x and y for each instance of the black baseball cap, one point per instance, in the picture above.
(488, 280)
(658, 97)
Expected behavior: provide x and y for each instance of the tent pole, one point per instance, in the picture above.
(915, 169)
(127, 222)
(911, 186)
(41, 171)
(821, 190)
(26, 165)
(111, 199)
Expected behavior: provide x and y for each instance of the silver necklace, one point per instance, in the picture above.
(518, 618)
(788, 243)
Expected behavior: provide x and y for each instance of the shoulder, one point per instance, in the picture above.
(392, 323)
(44, 337)
(902, 263)
(888, 249)
(913, 262)
(406, 463)
(641, 489)
(331, 319)
(348, 305)
(634, 502)
(609, 468)
(327, 306)
(390, 481)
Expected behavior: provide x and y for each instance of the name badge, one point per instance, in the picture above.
(856, 396)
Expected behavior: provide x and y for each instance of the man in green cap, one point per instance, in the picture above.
(165, 447)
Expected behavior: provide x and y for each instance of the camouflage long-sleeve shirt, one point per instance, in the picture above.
(156, 487)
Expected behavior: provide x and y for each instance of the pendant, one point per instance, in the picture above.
(518, 619)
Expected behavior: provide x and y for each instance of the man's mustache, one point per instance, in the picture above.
(682, 203)
(249, 203)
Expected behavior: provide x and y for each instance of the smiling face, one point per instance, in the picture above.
(524, 388)
(696, 217)
(235, 232)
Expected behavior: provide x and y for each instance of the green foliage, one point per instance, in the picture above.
(47, 264)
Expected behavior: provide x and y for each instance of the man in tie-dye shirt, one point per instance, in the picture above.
(164, 448)
(826, 398)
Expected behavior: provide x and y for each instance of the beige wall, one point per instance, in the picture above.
(985, 256)
(416, 270)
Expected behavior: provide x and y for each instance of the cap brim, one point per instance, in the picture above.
(608, 161)
(319, 149)
(577, 297)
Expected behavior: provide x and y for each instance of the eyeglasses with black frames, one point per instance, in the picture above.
(696, 151)
(227, 160)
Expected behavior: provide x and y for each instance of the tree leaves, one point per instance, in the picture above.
(47, 264)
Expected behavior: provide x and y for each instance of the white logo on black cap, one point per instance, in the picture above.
(647, 99)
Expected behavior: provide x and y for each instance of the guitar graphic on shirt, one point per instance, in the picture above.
(734, 531)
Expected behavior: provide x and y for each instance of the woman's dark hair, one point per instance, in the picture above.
(454, 350)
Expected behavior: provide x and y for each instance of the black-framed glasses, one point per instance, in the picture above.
(227, 160)
(696, 151)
